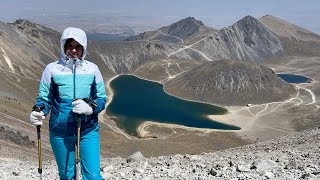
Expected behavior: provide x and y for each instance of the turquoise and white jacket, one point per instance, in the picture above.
(65, 80)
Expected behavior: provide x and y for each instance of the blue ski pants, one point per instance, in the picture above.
(63, 148)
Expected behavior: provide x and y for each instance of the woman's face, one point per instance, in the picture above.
(73, 50)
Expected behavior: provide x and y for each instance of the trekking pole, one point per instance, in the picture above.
(78, 149)
(37, 109)
(39, 152)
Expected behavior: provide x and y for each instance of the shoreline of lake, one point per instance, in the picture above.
(109, 90)
(294, 78)
(141, 128)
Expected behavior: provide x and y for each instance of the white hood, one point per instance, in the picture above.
(77, 34)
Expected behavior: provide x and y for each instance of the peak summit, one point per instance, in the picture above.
(248, 21)
(184, 28)
(177, 32)
(190, 21)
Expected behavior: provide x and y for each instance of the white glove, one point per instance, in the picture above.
(36, 118)
(81, 107)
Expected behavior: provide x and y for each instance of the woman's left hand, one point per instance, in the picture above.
(81, 107)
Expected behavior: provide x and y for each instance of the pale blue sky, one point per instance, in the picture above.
(216, 14)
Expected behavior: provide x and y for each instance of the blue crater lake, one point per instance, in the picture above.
(292, 78)
(136, 100)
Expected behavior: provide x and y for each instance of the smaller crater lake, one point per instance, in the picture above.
(136, 100)
(292, 78)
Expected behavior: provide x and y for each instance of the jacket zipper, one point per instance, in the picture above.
(74, 84)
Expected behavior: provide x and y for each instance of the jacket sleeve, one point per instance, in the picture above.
(44, 98)
(98, 92)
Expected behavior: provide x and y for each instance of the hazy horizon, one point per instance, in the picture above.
(142, 15)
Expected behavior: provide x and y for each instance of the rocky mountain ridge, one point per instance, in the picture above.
(295, 40)
(25, 49)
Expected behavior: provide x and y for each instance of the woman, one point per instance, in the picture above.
(73, 89)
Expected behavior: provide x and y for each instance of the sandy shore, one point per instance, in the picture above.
(109, 91)
(142, 132)
(236, 116)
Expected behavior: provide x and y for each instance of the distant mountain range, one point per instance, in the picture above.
(159, 55)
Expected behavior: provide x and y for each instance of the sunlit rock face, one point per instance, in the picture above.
(247, 39)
